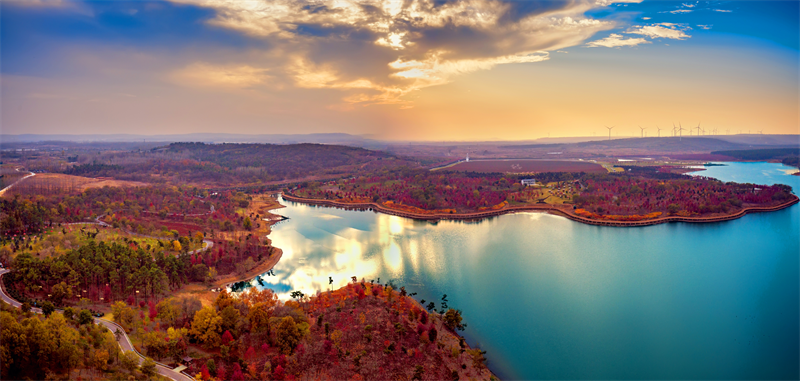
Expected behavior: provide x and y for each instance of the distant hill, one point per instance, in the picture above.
(326, 138)
(670, 144)
(788, 156)
(759, 139)
(233, 164)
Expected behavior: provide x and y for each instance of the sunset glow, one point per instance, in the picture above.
(398, 70)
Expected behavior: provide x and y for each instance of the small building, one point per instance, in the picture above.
(528, 182)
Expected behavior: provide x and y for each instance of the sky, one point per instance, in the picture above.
(410, 70)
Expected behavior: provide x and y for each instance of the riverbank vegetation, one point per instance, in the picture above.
(690, 196)
(128, 243)
(422, 189)
(634, 193)
(356, 332)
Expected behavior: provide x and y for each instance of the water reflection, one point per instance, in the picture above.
(553, 299)
(326, 245)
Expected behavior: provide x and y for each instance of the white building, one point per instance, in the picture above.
(528, 182)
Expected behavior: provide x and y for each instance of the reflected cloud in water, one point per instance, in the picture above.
(364, 245)
(369, 246)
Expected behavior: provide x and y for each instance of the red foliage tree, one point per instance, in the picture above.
(205, 373)
(237, 372)
(153, 312)
(227, 337)
(249, 354)
(278, 374)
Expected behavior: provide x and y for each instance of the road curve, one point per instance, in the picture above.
(124, 341)
(4, 190)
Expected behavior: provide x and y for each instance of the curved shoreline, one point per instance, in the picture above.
(562, 211)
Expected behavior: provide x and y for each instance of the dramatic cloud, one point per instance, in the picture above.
(662, 30)
(616, 40)
(377, 52)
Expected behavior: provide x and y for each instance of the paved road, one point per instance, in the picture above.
(124, 341)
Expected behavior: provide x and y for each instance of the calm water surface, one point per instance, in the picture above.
(550, 298)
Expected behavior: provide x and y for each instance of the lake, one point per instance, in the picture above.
(550, 298)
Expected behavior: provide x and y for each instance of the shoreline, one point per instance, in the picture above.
(562, 211)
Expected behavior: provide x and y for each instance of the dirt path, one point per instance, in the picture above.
(4, 190)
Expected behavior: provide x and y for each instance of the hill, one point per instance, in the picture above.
(230, 164)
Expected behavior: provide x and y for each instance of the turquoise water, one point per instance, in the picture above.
(549, 298)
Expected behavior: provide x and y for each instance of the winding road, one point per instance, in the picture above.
(124, 341)
(3, 191)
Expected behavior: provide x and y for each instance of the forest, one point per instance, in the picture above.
(63, 346)
(147, 210)
(359, 330)
(687, 196)
(354, 332)
(155, 258)
(639, 192)
(422, 189)
(229, 164)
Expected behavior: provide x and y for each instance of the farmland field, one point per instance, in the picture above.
(54, 183)
(523, 165)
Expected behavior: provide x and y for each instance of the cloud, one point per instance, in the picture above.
(603, 3)
(678, 11)
(203, 74)
(616, 40)
(46, 3)
(722, 10)
(646, 18)
(662, 30)
(63, 5)
(379, 51)
(706, 27)
(687, 5)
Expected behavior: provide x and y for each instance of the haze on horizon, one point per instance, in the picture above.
(398, 70)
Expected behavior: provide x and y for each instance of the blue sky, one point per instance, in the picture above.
(413, 70)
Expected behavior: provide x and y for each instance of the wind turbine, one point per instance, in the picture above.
(659, 131)
(698, 129)
(680, 131)
(640, 127)
(674, 130)
(609, 131)
(761, 132)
